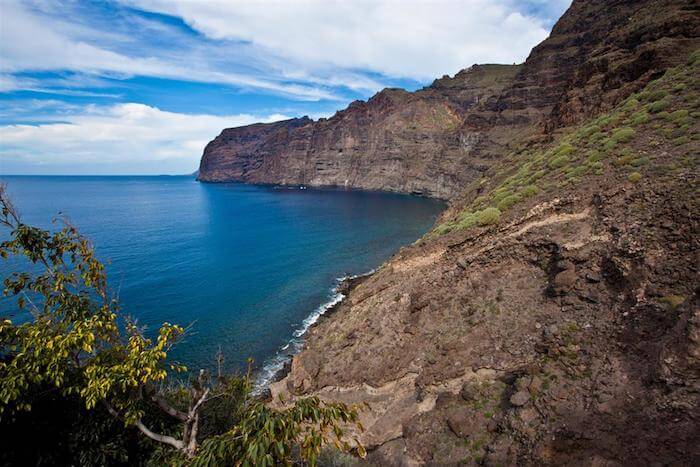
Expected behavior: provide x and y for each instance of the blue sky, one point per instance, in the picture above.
(140, 86)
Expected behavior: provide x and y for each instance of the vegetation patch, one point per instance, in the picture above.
(672, 301)
(658, 106)
(653, 95)
(639, 118)
(668, 106)
(559, 162)
(508, 201)
(530, 190)
(634, 177)
(623, 135)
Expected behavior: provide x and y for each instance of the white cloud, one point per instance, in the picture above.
(124, 133)
(414, 39)
(301, 49)
(32, 42)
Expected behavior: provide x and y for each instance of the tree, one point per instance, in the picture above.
(79, 343)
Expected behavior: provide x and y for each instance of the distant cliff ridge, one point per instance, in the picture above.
(438, 139)
(396, 141)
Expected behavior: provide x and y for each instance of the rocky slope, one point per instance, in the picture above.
(563, 330)
(552, 315)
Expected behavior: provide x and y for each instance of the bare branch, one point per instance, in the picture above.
(176, 443)
(10, 215)
(167, 408)
(201, 401)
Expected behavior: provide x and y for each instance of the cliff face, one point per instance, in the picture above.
(437, 140)
(396, 141)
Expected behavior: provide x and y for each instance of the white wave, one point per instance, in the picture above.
(275, 364)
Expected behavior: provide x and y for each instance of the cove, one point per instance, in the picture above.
(246, 266)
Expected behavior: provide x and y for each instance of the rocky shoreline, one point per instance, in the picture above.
(344, 287)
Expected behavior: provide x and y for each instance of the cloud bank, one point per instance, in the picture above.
(121, 136)
(413, 39)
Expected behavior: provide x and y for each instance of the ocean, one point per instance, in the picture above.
(248, 267)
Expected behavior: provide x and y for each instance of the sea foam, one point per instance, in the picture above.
(275, 365)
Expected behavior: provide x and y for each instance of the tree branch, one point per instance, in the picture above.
(201, 401)
(176, 443)
(165, 407)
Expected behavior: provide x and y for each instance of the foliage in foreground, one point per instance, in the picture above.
(75, 349)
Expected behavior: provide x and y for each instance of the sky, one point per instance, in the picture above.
(140, 86)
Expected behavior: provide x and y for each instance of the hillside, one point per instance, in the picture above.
(562, 330)
(551, 316)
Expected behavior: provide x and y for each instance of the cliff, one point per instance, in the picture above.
(396, 141)
(552, 316)
(437, 140)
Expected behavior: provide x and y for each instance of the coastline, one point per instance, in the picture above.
(328, 188)
(278, 366)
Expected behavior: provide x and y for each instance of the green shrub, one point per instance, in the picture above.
(680, 117)
(608, 144)
(634, 177)
(603, 121)
(486, 217)
(594, 156)
(489, 216)
(589, 130)
(596, 166)
(559, 162)
(576, 172)
(672, 301)
(654, 96)
(480, 200)
(679, 87)
(658, 106)
(500, 194)
(564, 150)
(530, 190)
(640, 161)
(539, 174)
(639, 118)
(623, 135)
(444, 228)
(631, 104)
(681, 140)
(694, 58)
(595, 137)
(666, 132)
(623, 160)
(507, 202)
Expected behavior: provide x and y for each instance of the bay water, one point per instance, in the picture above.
(248, 267)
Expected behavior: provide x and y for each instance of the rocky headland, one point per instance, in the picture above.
(551, 316)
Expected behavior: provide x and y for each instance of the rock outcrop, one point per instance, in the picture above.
(565, 332)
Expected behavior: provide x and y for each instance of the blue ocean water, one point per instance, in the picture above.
(249, 267)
